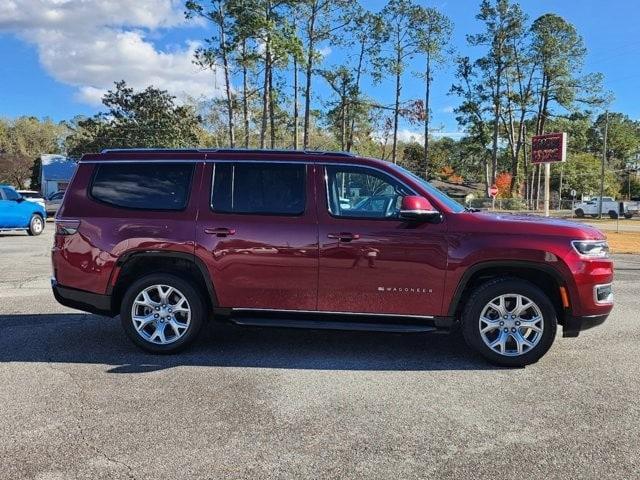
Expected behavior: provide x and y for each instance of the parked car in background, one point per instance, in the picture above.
(171, 239)
(53, 203)
(16, 213)
(33, 196)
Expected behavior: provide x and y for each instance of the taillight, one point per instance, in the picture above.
(67, 227)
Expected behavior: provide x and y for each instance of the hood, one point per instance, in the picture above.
(536, 225)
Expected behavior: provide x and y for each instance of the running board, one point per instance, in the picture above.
(331, 325)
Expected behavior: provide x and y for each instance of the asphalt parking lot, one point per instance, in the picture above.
(77, 400)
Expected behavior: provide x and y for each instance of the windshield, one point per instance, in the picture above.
(10, 193)
(448, 201)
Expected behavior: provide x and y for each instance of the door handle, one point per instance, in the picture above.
(344, 236)
(220, 232)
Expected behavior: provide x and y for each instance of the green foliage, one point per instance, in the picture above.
(623, 138)
(582, 173)
(22, 141)
(630, 186)
(145, 119)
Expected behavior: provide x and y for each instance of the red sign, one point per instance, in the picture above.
(493, 191)
(549, 148)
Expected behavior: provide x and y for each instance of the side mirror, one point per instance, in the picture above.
(415, 208)
(20, 199)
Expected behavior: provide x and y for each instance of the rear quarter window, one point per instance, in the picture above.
(143, 186)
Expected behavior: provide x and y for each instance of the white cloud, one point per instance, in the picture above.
(92, 43)
(406, 135)
(447, 109)
(325, 51)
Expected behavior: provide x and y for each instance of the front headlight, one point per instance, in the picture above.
(591, 248)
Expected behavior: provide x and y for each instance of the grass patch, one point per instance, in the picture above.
(624, 242)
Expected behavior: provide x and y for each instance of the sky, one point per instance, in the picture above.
(60, 56)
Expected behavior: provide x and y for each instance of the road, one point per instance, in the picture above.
(77, 400)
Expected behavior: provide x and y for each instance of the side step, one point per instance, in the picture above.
(331, 325)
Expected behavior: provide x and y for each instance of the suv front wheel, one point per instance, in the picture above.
(510, 322)
(162, 313)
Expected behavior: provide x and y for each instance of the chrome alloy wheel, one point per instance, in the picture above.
(161, 314)
(511, 324)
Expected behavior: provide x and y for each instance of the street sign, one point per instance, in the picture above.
(493, 191)
(573, 193)
(549, 148)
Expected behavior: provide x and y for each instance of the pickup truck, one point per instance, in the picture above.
(591, 207)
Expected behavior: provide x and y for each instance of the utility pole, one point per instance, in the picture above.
(604, 158)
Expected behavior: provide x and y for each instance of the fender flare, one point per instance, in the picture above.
(189, 257)
(477, 267)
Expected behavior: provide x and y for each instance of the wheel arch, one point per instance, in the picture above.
(548, 279)
(132, 264)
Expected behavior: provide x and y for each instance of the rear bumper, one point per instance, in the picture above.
(82, 300)
(573, 325)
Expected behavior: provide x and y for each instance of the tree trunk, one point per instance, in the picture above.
(496, 123)
(265, 95)
(245, 89)
(227, 83)
(296, 113)
(560, 189)
(525, 164)
(427, 116)
(396, 111)
(309, 71)
(272, 109)
(352, 127)
(487, 183)
(343, 122)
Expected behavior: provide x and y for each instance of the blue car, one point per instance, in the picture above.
(18, 214)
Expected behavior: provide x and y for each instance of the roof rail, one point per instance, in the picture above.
(151, 149)
(229, 150)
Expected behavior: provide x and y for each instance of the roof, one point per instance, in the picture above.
(57, 167)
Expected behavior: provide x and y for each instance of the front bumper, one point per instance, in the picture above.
(82, 300)
(573, 325)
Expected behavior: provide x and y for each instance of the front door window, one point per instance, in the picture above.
(355, 192)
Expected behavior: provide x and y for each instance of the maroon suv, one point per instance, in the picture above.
(168, 239)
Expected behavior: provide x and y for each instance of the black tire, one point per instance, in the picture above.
(613, 214)
(628, 215)
(488, 291)
(36, 225)
(195, 302)
(579, 213)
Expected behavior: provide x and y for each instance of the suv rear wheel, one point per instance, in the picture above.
(510, 322)
(162, 313)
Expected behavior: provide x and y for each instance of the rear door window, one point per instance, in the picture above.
(144, 185)
(258, 188)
